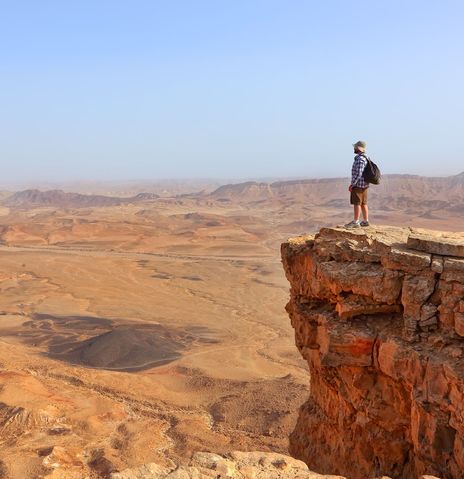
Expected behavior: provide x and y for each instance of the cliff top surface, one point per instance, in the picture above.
(428, 241)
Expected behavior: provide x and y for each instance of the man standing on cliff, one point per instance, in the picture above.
(359, 187)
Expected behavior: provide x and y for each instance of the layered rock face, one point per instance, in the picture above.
(379, 316)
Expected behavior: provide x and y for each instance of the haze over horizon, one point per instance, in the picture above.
(118, 90)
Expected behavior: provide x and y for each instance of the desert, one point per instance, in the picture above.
(231, 240)
(144, 328)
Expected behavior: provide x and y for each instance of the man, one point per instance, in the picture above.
(359, 187)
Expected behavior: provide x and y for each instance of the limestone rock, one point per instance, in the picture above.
(236, 465)
(446, 244)
(146, 471)
(381, 326)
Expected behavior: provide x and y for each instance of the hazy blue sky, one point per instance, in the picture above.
(107, 89)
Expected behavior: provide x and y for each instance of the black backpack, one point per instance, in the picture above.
(371, 173)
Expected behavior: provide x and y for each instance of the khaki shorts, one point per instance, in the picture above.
(358, 196)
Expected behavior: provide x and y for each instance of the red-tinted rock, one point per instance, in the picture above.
(380, 326)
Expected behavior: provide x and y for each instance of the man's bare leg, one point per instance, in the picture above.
(357, 212)
(365, 212)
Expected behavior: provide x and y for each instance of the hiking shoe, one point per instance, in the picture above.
(364, 223)
(353, 224)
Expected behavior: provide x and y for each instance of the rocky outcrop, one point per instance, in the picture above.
(379, 316)
(236, 465)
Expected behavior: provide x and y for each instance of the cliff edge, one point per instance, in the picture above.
(379, 316)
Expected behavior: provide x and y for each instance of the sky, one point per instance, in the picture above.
(114, 90)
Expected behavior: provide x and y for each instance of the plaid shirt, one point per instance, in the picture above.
(357, 170)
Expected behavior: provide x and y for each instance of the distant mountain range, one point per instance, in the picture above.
(394, 192)
(61, 199)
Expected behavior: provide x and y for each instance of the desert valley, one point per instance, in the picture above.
(142, 323)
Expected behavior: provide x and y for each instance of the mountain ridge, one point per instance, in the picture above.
(60, 198)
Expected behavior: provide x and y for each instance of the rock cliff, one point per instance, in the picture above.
(379, 316)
